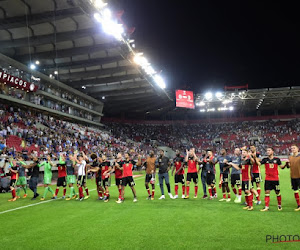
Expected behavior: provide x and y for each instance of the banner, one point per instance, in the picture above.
(185, 99)
(17, 83)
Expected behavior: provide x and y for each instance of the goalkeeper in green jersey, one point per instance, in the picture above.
(47, 177)
(22, 181)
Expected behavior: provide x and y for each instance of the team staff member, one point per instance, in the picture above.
(203, 169)
(164, 164)
(294, 164)
(33, 171)
(179, 174)
(150, 174)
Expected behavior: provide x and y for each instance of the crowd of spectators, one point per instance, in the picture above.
(278, 134)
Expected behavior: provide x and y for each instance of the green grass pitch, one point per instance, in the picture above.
(166, 224)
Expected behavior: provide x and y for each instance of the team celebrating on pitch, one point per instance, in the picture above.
(241, 172)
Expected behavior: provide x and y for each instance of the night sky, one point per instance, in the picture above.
(201, 45)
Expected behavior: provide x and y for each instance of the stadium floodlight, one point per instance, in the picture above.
(149, 70)
(84, 87)
(231, 108)
(219, 94)
(99, 4)
(37, 62)
(32, 66)
(160, 81)
(227, 101)
(55, 72)
(140, 60)
(97, 17)
(202, 110)
(208, 96)
(103, 97)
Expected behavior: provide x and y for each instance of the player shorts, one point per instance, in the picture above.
(246, 185)
(98, 181)
(295, 184)
(180, 178)
(256, 177)
(105, 182)
(118, 181)
(13, 182)
(81, 180)
(61, 182)
(192, 176)
(235, 179)
(128, 180)
(71, 179)
(21, 181)
(47, 180)
(225, 179)
(148, 178)
(272, 185)
(210, 179)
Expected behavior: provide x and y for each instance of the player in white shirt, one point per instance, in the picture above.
(81, 181)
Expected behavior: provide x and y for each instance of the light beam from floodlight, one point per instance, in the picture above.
(219, 94)
(160, 81)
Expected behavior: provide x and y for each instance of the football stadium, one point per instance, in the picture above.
(149, 125)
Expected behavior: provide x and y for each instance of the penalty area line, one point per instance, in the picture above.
(42, 202)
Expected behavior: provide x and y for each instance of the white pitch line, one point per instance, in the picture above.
(42, 202)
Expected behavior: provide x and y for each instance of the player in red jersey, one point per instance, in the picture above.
(246, 162)
(118, 173)
(191, 159)
(255, 171)
(94, 167)
(126, 167)
(105, 174)
(272, 178)
(178, 167)
(62, 175)
(13, 170)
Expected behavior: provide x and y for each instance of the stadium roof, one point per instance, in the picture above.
(64, 37)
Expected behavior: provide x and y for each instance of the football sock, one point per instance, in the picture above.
(267, 200)
(51, 190)
(297, 198)
(279, 199)
(183, 189)
(196, 190)
(56, 191)
(188, 190)
(65, 190)
(87, 191)
(176, 189)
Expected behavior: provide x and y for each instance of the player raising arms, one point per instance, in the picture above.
(223, 160)
(150, 174)
(255, 171)
(192, 174)
(22, 181)
(235, 177)
(294, 164)
(47, 177)
(126, 167)
(118, 173)
(71, 177)
(13, 170)
(105, 174)
(209, 165)
(272, 178)
(62, 174)
(178, 167)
